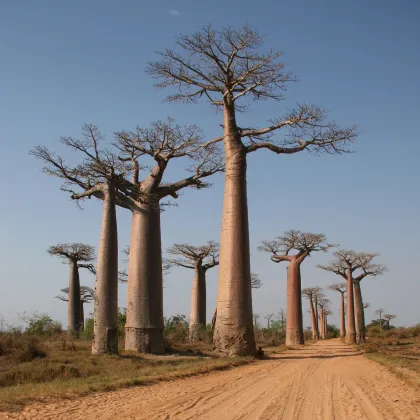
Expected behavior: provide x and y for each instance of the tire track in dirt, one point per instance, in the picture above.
(326, 380)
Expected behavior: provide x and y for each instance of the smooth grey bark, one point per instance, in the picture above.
(359, 314)
(234, 330)
(73, 308)
(198, 303)
(144, 325)
(105, 330)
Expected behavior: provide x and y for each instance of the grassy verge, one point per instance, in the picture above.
(70, 372)
(402, 359)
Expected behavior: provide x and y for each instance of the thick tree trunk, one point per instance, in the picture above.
(342, 317)
(321, 325)
(234, 332)
(105, 339)
(325, 326)
(316, 316)
(313, 319)
(350, 322)
(73, 309)
(144, 325)
(82, 316)
(294, 322)
(198, 304)
(359, 314)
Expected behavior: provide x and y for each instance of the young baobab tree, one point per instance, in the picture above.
(280, 248)
(268, 318)
(380, 313)
(226, 67)
(75, 255)
(162, 143)
(388, 318)
(199, 259)
(354, 266)
(100, 174)
(310, 293)
(341, 288)
(86, 296)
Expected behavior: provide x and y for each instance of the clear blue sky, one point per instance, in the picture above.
(67, 63)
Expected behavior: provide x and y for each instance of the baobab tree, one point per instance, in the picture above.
(100, 174)
(268, 318)
(380, 312)
(75, 255)
(200, 259)
(310, 293)
(388, 318)
(281, 317)
(225, 67)
(341, 288)
(348, 264)
(304, 243)
(323, 304)
(86, 296)
(163, 142)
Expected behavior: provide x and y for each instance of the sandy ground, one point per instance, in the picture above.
(324, 381)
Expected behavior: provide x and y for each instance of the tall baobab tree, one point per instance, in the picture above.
(309, 293)
(100, 174)
(86, 296)
(268, 318)
(280, 248)
(226, 67)
(200, 259)
(74, 254)
(380, 312)
(341, 288)
(323, 304)
(162, 143)
(348, 264)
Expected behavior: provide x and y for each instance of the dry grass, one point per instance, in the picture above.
(400, 356)
(64, 369)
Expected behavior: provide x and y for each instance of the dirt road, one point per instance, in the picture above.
(324, 381)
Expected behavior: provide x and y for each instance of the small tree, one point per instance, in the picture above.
(280, 248)
(388, 318)
(200, 259)
(323, 305)
(310, 293)
(281, 316)
(74, 254)
(225, 67)
(341, 288)
(354, 267)
(86, 296)
(256, 318)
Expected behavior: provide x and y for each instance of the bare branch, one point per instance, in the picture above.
(303, 242)
(256, 282)
(73, 251)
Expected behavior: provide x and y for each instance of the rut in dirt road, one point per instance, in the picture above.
(326, 380)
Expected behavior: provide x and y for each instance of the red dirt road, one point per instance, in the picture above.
(324, 381)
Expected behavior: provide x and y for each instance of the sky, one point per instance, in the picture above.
(68, 63)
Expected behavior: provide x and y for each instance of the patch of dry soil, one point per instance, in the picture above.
(326, 380)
